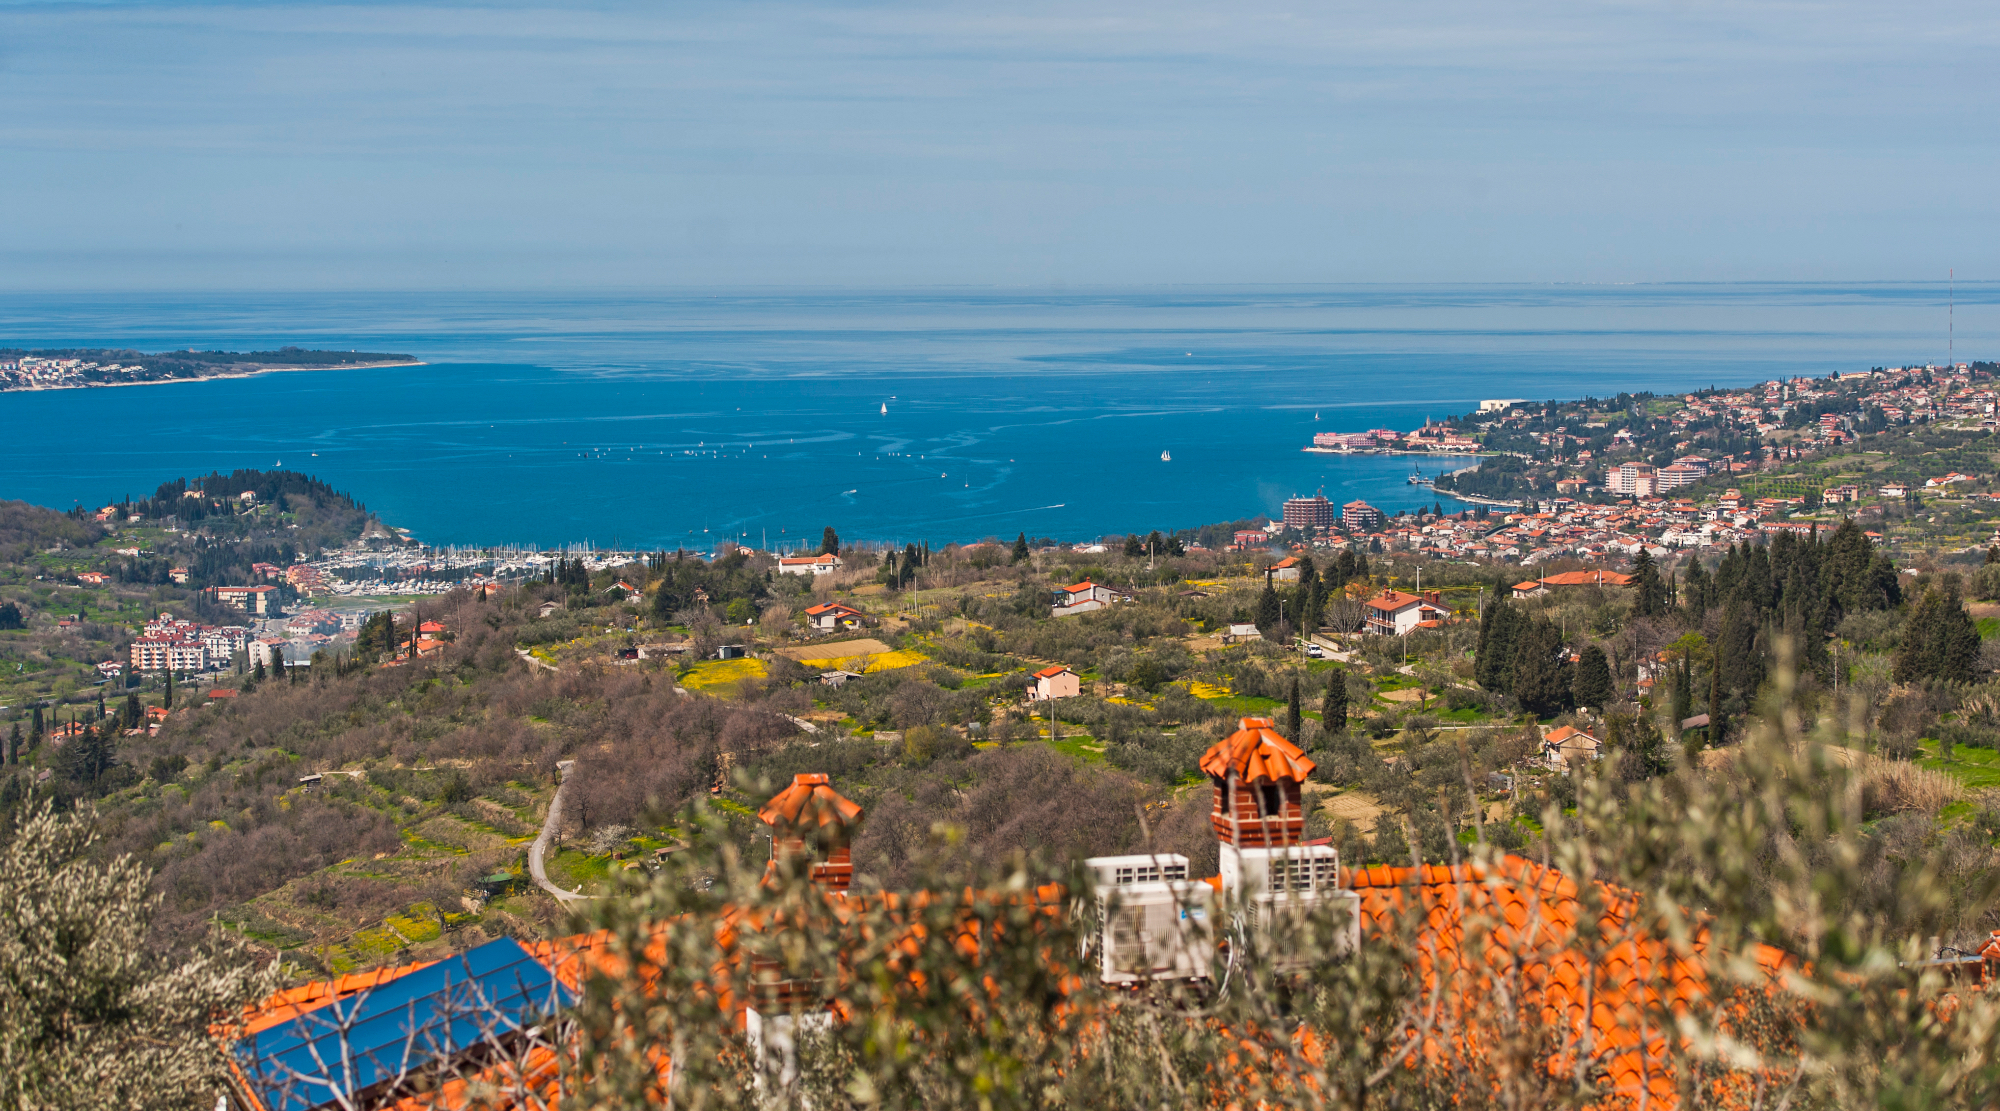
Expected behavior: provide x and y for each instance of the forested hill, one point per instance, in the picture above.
(215, 503)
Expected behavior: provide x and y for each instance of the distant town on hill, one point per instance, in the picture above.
(70, 368)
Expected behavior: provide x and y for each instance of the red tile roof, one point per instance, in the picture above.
(1050, 672)
(1392, 600)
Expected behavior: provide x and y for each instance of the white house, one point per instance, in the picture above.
(1285, 570)
(1394, 613)
(1082, 598)
(828, 617)
(1055, 682)
(1566, 745)
(822, 564)
(1236, 633)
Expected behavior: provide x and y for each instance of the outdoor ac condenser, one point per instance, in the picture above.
(1155, 924)
(1266, 884)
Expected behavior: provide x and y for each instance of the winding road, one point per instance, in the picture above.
(541, 845)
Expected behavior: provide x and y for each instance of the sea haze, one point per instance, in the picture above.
(659, 420)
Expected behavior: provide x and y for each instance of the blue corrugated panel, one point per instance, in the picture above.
(400, 1026)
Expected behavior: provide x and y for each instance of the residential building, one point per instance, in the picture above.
(1083, 597)
(814, 565)
(1635, 479)
(1394, 613)
(1565, 746)
(259, 600)
(266, 650)
(1307, 514)
(1055, 682)
(828, 617)
(1285, 570)
(1360, 516)
(1594, 577)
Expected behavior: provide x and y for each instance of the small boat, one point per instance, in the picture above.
(885, 408)
(1166, 457)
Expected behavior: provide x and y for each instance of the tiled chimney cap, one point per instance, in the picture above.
(1256, 751)
(810, 802)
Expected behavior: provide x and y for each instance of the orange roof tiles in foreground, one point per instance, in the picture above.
(1523, 912)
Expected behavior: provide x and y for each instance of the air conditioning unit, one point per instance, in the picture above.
(1155, 924)
(1297, 880)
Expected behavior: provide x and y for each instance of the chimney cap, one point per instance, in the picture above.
(810, 802)
(1257, 751)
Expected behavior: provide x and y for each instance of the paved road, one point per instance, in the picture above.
(541, 845)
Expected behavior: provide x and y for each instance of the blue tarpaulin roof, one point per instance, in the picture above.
(400, 1026)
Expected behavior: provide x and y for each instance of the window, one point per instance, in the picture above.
(1270, 801)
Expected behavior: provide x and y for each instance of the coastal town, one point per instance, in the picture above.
(89, 367)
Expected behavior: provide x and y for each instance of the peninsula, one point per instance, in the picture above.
(76, 368)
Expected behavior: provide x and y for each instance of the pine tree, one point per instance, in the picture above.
(908, 574)
(1333, 706)
(1133, 547)
(1020, 548)
(1592, 685)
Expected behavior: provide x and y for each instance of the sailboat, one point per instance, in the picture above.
(1166, 457)
(885, 408)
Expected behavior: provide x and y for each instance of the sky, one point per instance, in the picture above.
(687, 144)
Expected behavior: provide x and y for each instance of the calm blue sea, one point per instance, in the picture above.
(680, 418)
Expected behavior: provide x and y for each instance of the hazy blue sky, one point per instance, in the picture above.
(682, 143)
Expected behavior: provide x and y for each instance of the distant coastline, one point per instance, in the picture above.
(90, 367)
(247, 372)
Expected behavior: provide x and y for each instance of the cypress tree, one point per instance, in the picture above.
(1293, 717)
(168, 701)
(829, 542)
(1695, 590)
(1683, 691)
(35, 732)
(1958, 639)
(1649, 595)
(1737, 654)
(14, 744)
(1333, 706)
(1715, 729)
(1592, 685)
(1020, 548)
(1268, 610)
(1541, 669)
(1494, 666)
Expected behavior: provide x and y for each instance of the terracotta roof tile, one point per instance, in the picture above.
(1256, 751)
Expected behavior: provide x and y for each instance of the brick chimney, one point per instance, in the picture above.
(810, 817)
(1257, 775)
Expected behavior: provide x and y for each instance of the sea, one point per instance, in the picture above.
(659, 420)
